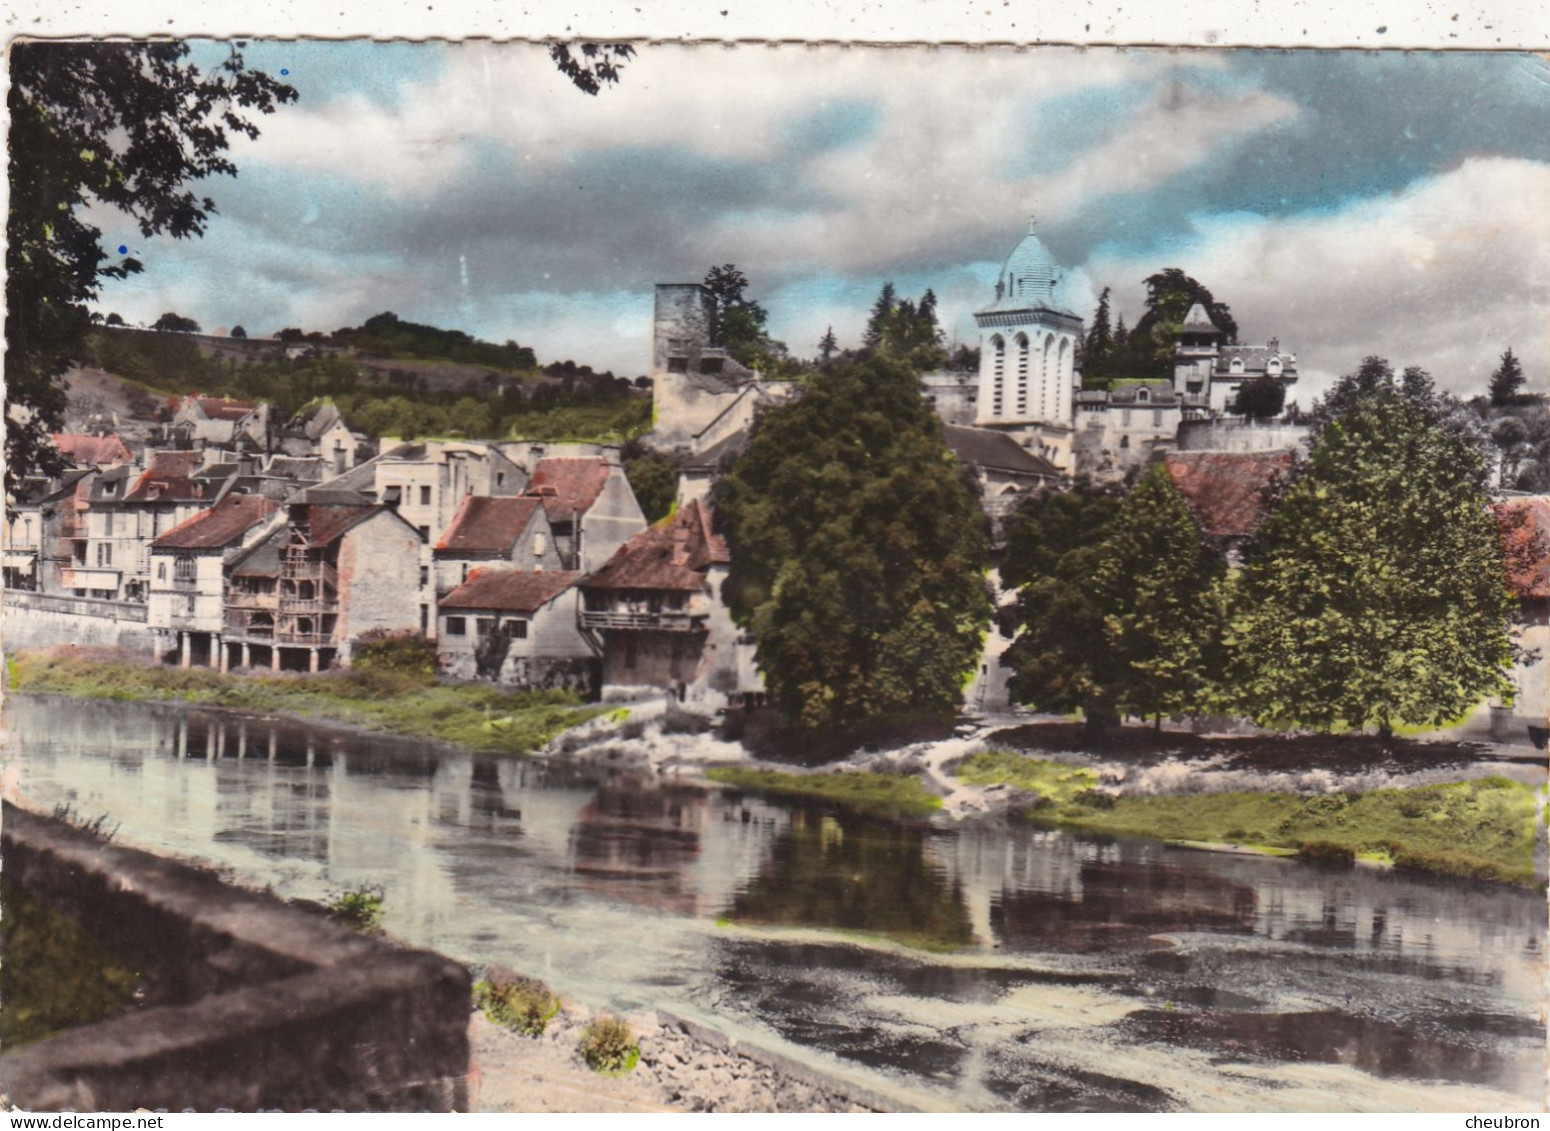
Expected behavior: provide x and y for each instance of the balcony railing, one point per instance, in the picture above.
(668, 620)
(297, 606)
(324, 639)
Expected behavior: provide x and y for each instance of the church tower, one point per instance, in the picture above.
(1028, 346)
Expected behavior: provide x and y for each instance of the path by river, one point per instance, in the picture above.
(967, 965)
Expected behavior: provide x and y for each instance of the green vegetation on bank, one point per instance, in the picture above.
(54, 975)
(523, 1005)
(901, 794)
(482, 718)
(1483, 829)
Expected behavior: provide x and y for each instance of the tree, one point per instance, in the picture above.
(599, 64)
(238, 332)
(904, 329)
(655, 483)
(857, 551)
(125, 125)
(1115, 603)
(1260, 398)
(828, 346)
(737, 323)
(1148, 347)
(175, 323)
(882, 313)
(1375, 593)
(1506, 380)
(1098, 348)
(113, 319)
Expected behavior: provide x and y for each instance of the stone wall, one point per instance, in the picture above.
(1240, 436)
(257, 1004)
(42, 620)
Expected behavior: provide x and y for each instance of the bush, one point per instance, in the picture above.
(608, 1046)
(399, 653)
(359, 909)
(524, 1005)
(1326, 853)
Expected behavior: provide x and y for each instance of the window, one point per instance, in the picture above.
(425, 617)
(161, 571)
(483, 626)
(183, 567)
(540, 544)
(517, 629)
(107, 524)
(425, 533)
(465, 572)
(500, 478)
(425, 577)
(457, 626)
(425, 496)
(104, 554)
(678, 365)
(710, 365)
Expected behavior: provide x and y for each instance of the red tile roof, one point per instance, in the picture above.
(326, 524)
(510, 590)
(170, 478)
(1226, 490)
(219, 408)
(91, 449)
(483, 524)
(567, 486)
(674, 554)
(221, 525)
(1525, 529)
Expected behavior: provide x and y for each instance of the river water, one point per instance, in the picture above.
(984, 966)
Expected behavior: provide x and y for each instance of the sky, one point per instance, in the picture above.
(1346, 203)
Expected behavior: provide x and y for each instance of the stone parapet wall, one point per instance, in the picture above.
(259, 1004)
(42, 620)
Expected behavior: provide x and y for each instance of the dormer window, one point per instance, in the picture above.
(1143, 395)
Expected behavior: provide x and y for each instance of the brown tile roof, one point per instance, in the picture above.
(1226, 490)
(91, 449)
(510, 590)
(567, 486)
(219, 408)
(1525, 529)
(170, 478)
(673, 554)
(221, 525)
(982, 447)
(326, 524)
(484, 524)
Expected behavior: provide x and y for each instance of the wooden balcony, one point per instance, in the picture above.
(665, 620)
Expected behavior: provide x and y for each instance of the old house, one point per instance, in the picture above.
(344, 571)
(490, 531)
(656, 613)
(186, 604)
(516, 627)
(591, 508)
(1004, 471)
(1229, 493)
(218, 422)
(84, 450)
(1208, 370)
(45, 531)
(252, 608)
(1121, 428)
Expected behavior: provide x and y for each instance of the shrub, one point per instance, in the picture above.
(399, 653)
(524, 1005)
(359, 909)
(1326, 853)
(608, 1046)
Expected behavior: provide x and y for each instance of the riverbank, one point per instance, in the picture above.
(480, 718)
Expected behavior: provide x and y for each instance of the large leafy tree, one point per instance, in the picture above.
(128, 125)
(858, 552)
(1260, 398)
(1148, 347)
(1375, 594)
(737, 323)
(1117, 607)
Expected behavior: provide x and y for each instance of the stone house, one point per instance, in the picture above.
(187, 598)
(590, 506)
(1208, 370)
(488, 531)
(43, 525)
(1004, 471)
(84, 450)
(1123, 427)
(517, 627)
(343, 571)
(656, 615)
(218, 422)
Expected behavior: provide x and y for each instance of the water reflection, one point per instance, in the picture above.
(1086, 973)
(852, 872)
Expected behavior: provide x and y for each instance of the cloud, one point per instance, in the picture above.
(1444, 274)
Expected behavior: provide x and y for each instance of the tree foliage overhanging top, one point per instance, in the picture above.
(129, 125)
(858, 551)
(1376, 593)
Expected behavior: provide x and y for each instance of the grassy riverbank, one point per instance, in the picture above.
(481, 718)
(900, 794)
(1482, 829)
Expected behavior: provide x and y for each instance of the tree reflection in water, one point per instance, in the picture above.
(844, 871)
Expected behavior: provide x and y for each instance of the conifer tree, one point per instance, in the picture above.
(1507, 380)
(828, 346)
(882, 314)
(1099, 346)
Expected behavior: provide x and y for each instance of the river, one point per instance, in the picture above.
(981, 965)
